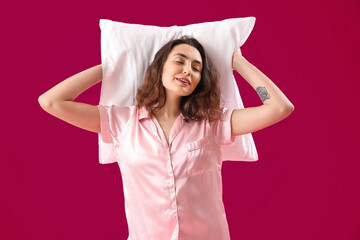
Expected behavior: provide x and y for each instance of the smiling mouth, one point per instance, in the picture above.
(183, 81)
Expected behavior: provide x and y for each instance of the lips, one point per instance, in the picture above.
(185, 79)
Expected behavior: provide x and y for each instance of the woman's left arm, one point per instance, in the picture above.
(276, 106)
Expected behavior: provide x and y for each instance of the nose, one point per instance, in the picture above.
(187, 68)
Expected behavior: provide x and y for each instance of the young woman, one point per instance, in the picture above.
(168, 145)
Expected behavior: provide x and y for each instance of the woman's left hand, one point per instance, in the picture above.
(236, 55)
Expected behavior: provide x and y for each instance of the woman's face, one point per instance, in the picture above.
(184, 62)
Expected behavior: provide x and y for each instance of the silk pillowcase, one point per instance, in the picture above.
(128, 49)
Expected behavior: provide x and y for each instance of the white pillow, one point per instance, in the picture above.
(128, 49)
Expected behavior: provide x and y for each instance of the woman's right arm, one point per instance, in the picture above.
(59, 100)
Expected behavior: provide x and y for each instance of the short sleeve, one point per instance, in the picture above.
(221, 129)
(113, 121)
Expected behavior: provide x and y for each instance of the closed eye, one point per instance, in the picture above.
(193, 68)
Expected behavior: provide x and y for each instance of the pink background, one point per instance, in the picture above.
(306, 182)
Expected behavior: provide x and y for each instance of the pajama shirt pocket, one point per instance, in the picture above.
(198, 156)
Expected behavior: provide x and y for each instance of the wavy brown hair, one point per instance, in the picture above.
(202, 104)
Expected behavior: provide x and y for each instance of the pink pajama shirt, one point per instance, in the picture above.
(172, 191)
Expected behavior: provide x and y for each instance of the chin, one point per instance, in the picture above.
(185, 95)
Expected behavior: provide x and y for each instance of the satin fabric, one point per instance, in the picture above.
(172, 191)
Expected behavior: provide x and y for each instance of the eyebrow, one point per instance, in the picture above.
(184, 56)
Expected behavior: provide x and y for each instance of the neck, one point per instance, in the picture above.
(171, 109)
